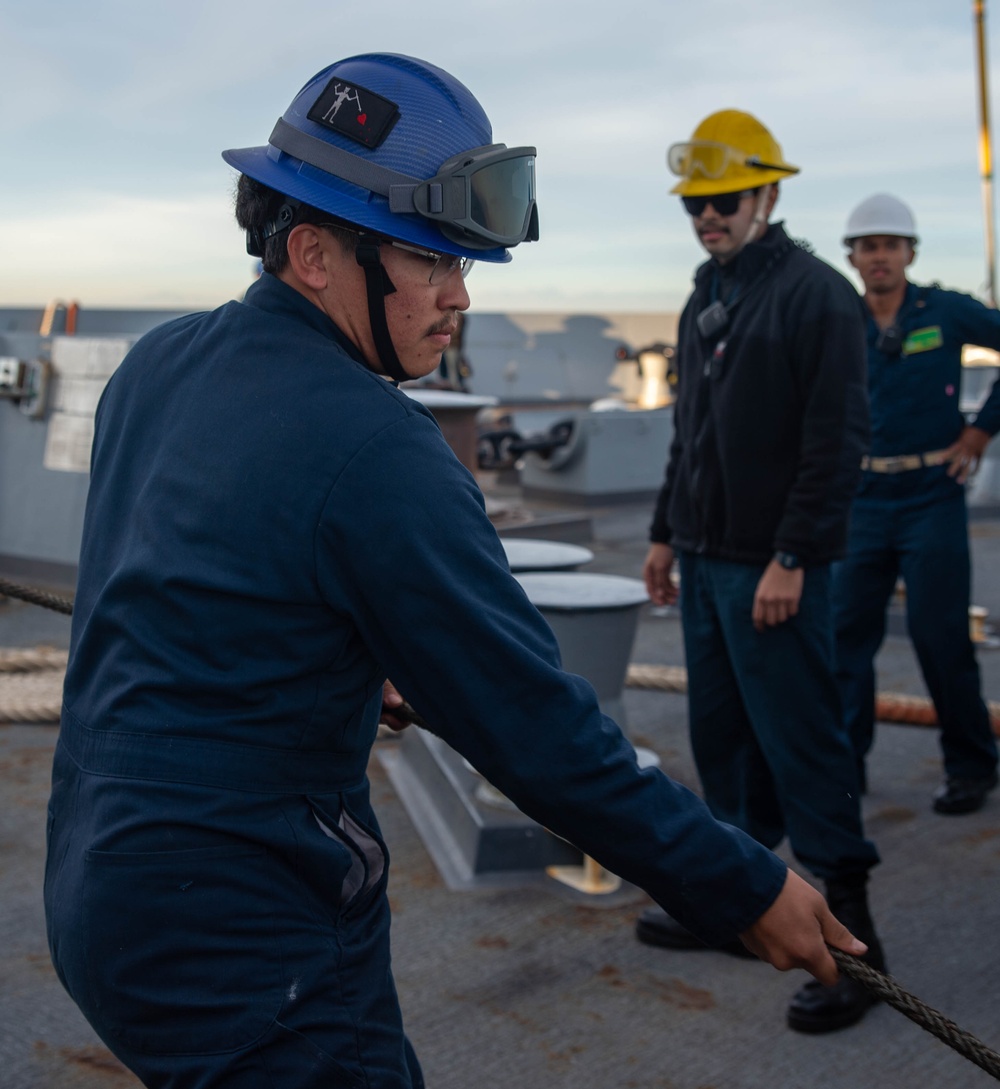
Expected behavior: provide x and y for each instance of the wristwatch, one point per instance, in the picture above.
(788, 560)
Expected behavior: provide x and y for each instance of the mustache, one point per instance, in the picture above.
(447, 324)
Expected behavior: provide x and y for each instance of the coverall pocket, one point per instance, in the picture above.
(182, 954)
(369, 859)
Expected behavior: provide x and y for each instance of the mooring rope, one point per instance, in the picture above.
(669, 678)
(36, 597)
(893, 707)
(34, 697)
(886, 988)
(31, 659)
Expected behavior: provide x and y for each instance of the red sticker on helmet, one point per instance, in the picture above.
(355, 112)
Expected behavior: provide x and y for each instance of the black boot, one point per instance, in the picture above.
(655, 927)
(815, 1008)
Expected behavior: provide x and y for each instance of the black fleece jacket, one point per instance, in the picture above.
(771, 419)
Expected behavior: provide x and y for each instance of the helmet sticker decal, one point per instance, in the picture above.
(355, 112)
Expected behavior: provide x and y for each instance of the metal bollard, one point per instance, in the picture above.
(595, 619)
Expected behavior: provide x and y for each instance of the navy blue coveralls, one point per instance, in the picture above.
(271, 530)
(914, 524)
(769, 428)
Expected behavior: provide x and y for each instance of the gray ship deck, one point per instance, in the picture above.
(532, 985)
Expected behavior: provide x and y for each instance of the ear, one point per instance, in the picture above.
(850, 258)
(912, 257)
(308, 257)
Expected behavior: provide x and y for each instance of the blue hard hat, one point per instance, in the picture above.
(399, 147)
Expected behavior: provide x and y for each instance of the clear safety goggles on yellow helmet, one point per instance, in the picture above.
(711, 159)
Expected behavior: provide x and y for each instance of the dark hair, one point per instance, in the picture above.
(257, 205)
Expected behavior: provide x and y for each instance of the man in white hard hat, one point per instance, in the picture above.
(770, 424)
(909, 518)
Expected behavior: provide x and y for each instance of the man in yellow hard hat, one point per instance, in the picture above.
(771, 422)
(731, 156)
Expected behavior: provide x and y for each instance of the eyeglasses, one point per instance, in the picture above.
(725, 204)
(442, 265)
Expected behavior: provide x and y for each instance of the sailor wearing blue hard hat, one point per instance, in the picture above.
(423, 181)
(272, 530)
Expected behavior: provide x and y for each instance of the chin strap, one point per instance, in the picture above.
(759, 216)
(378, 285)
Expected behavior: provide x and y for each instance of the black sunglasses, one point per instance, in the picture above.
(724, 203)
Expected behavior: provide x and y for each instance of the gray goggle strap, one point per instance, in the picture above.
(398, 188)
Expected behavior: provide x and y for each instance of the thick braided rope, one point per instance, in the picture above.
(32, 697)
(889, 707)
(36, 597)
(32, 659)
(925, 1016)
(33, 692)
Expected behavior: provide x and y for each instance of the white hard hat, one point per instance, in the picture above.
(880, 214)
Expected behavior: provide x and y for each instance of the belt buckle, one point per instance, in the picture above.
(895, 464)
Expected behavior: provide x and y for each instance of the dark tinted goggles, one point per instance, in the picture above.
(480, 199)
(484, 197)
(725, 204)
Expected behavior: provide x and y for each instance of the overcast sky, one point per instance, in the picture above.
(113, 114)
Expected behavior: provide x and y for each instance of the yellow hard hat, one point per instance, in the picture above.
(729, 151)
